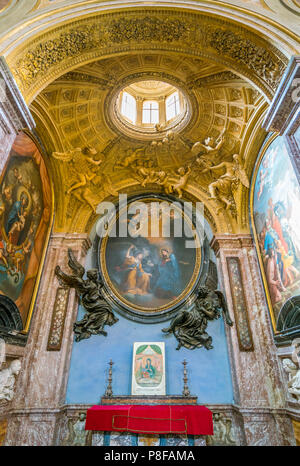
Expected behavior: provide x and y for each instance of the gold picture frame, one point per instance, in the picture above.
(29, 135)
(272, 312)
(136, 305)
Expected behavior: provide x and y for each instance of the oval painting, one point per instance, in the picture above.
(151, 265)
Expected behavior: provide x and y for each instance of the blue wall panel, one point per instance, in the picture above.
(209, 371)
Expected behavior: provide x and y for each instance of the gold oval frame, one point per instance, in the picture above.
(134, 307)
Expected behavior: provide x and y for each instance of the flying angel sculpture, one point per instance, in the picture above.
(189, 325)
(89, 291)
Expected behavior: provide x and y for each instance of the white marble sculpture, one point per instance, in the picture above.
(293, 372)
(8, 379)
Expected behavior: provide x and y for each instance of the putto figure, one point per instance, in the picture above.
(189, 326)
(98, 312)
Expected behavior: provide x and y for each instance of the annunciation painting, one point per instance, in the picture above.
(276, 207)
(25, 217)
(151, 266)
(148, 369)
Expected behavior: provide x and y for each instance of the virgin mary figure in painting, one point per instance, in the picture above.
(16, 218)
(168, 282)
(136, 280)
(148, 370)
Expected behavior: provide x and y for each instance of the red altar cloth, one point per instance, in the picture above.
(149, 419)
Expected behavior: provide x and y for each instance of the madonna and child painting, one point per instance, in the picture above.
(151, 271)
(148, 368)
(25, 218)
(276, 207)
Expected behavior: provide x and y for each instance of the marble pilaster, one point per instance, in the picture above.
(262, 405)
(41, 385)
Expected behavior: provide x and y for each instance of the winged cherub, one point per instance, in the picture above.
(89, 291)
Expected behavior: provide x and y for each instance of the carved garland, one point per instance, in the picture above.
(201, 35)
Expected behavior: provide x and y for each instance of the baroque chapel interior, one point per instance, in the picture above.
(149, 227)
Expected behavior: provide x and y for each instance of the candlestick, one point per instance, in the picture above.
(186, 391)
(109, 391)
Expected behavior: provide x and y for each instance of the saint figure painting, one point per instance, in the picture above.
(276, 206)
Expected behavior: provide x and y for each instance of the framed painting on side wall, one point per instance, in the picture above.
(275, 207)
(26, 213)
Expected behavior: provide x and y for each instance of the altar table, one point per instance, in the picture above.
(149, 419)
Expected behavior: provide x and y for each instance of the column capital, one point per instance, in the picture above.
(284, 109)
(231, 242)
(72, 238)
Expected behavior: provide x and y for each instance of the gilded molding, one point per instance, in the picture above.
(65, 47)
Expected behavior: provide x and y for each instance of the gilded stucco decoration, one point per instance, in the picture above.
(82, 137)
(225, 72)
(65, 47)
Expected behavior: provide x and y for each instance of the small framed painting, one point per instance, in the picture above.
(148, 369)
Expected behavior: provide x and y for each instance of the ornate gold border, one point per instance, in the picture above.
(47, 239)
(42, 260)
(131, 305)
(262, 270)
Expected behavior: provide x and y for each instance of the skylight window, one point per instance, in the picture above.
(150, 112)
(172, 106)
(128, 108)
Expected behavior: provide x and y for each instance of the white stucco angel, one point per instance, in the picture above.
(83, 170)
(8, 379)
(222, 189)
(210, 146)
(83, 162)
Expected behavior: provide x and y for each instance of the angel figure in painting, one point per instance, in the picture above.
(189, 326)
(222, 189)
(98, 312)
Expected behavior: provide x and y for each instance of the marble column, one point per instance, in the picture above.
(14, 113)
(257, 378)
(41, 385)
